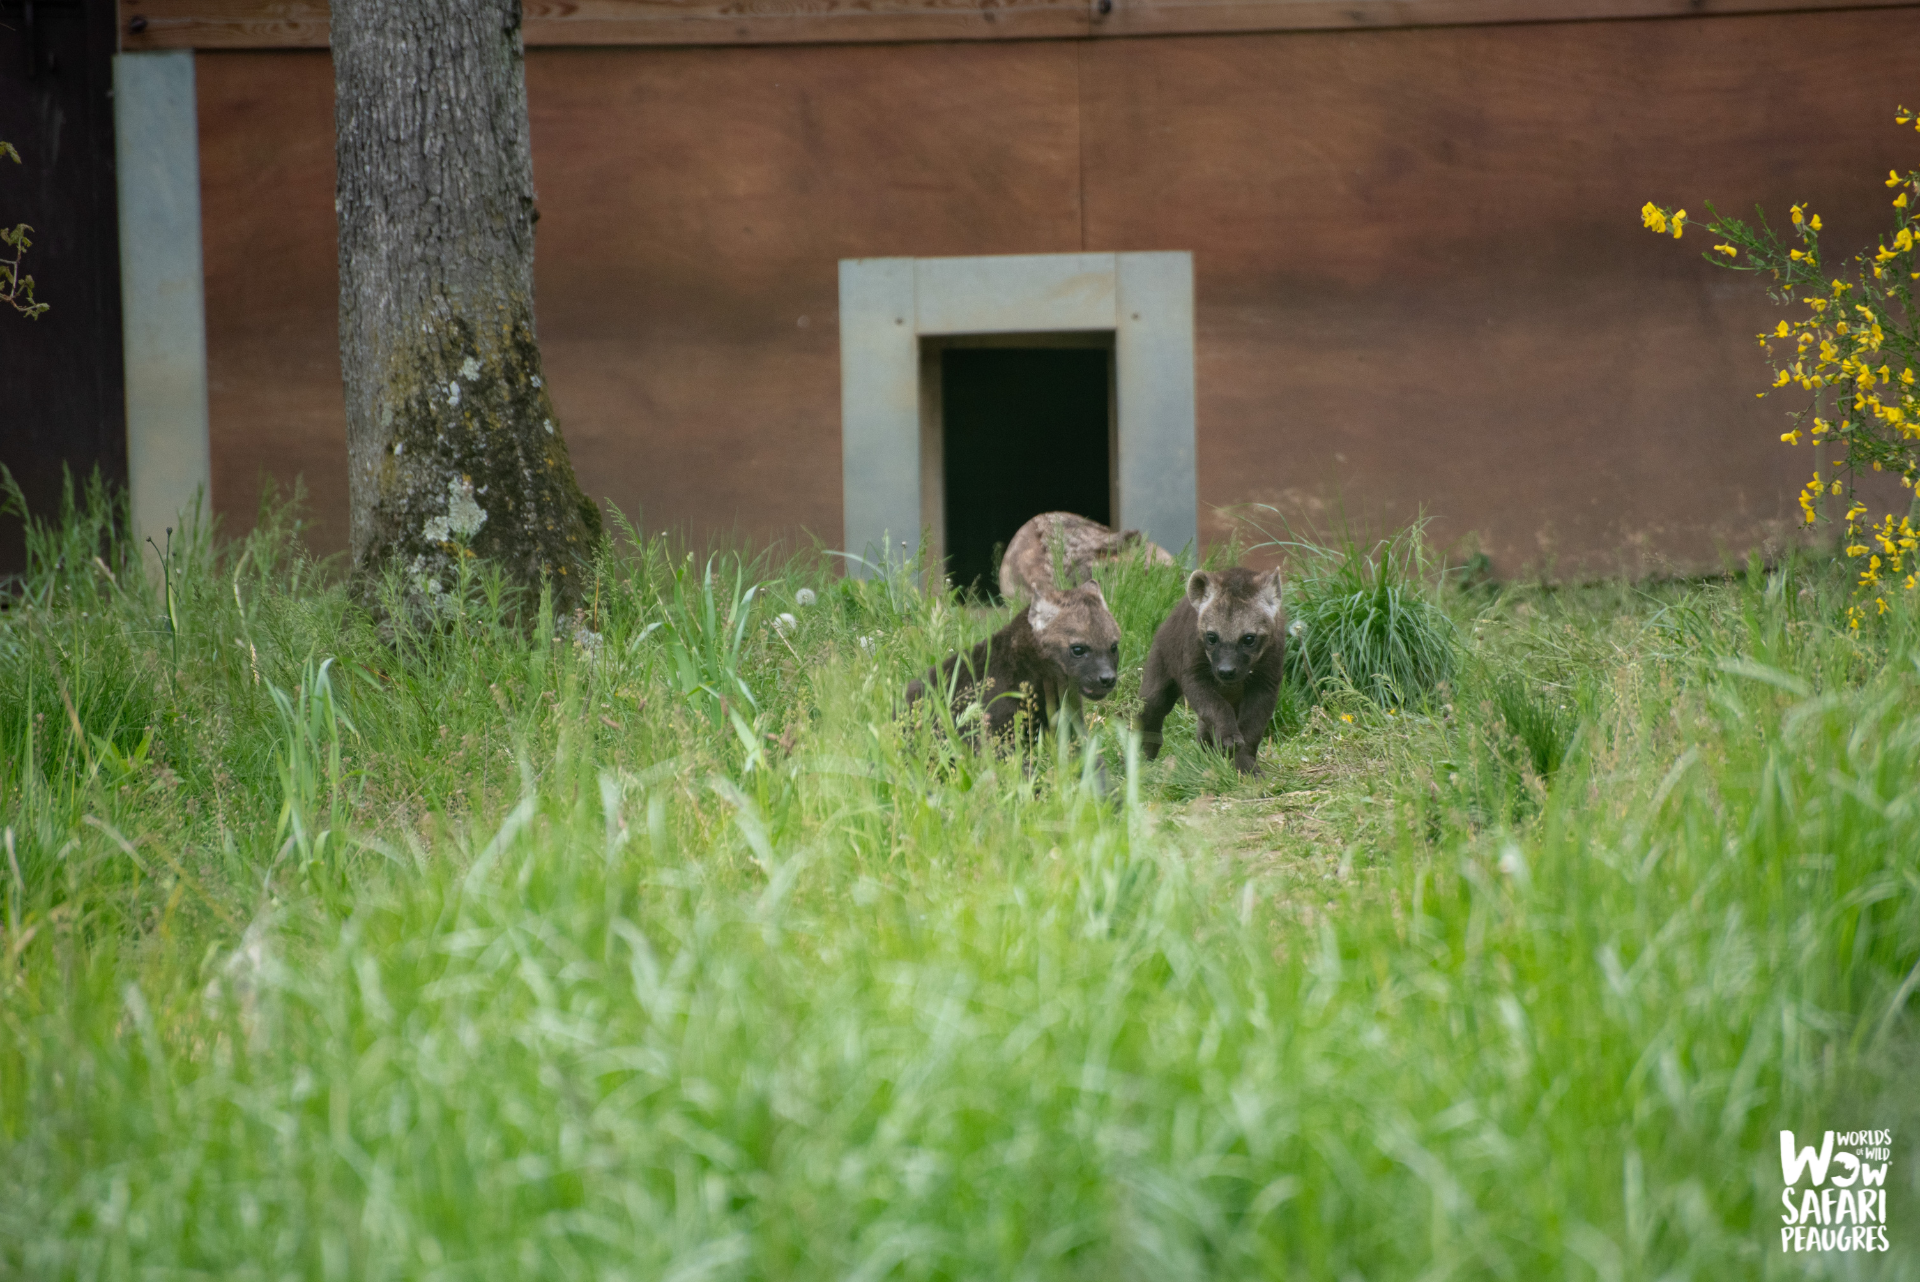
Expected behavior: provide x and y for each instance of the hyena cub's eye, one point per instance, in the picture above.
(1213, 638)
(1114, 648)
(1079, 651)
(1248, 640)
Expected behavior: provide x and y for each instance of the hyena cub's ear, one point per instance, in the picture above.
(1044, 610)
(1092, 588)
(1199, 587)
(1266, 594)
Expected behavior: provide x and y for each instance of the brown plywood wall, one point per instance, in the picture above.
(1421, 281)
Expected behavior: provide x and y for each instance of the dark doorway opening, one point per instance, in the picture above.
(1024, 430)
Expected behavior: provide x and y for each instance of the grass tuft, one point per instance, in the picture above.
(1365, 618)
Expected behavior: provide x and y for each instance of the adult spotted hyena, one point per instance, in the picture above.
(1075, 542)
(1222, 650)
(1062, 648)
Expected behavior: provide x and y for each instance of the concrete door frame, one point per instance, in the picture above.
(887, 305)
(162, 294)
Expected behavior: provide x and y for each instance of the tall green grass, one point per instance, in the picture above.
(580, 983)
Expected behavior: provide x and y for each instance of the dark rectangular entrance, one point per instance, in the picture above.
(1024, 430)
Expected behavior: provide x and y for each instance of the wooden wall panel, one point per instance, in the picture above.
(694, 206)
(288, 24)
(1422, 281)
(1421, 277)
(274, 399)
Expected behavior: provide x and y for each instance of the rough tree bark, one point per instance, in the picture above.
(452, 444)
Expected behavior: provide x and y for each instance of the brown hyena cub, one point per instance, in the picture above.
(1080, 544)
(1063, 647)
(1222, 650)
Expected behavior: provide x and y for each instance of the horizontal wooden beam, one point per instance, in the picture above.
(302, 24)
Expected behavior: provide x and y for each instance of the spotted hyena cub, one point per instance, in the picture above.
(1221, 650)
(1076, 543)
(1062, 648)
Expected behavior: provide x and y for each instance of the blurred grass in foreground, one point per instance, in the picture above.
(472, 955)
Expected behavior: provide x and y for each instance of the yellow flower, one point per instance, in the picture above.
(1651, 217)
(1796, 255)
(1900, 201)
(1791, 438)
(1347, 717)
(1857, 549)
(1679, 222)
(1782, 331)
(1797, 217)
(1728, 250)
(1815, 224)
(1893, 180)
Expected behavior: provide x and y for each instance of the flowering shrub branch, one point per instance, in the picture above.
(1855, 349)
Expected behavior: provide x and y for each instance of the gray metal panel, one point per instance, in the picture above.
(1154, 354)
(1014, 293)
(879, 407)
(162, 301)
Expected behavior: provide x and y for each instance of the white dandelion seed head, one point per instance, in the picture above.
(804, 598)
(784, 624)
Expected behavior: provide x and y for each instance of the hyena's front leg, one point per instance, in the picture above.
(1256, 714)
(1219, 720)
(1159, 691)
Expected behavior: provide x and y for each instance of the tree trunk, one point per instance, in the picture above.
(452, 445)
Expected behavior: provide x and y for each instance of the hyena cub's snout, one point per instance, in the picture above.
(1095, 671)
(1233, 657)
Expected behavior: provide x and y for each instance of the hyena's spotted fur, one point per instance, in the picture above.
(1076, 543)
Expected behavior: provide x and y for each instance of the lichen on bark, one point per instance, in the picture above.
(454, 449)
(475, 465)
